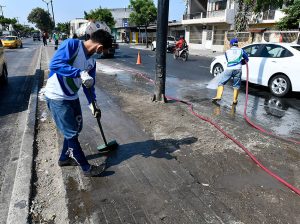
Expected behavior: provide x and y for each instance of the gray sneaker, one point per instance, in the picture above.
(94, 170)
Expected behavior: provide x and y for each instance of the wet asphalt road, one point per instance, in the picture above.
(188, 80)
(14, 99)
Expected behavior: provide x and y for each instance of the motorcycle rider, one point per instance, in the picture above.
(235, 58)
(180, 44)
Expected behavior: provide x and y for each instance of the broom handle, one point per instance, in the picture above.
(98, 119)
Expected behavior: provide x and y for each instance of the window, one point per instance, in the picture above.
(251, 50)
(274, 51)
(296, 47)
(220, 5)
(219, 35)
(196, 34)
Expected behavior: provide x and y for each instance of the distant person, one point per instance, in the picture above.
(70, 68)
(180, 44)
(45, 37)
(235, 58)
(55, 37)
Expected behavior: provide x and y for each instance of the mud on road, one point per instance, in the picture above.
(224, 178)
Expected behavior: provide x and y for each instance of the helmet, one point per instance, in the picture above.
(94, 26)
(234, 41)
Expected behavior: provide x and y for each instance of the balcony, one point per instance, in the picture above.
(209, 17)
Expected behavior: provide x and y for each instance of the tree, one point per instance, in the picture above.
(243, 14)
(7, 21)
(247, 7)
(101, 15)
(144, 14)
(63, 28)
(292, 18)
(41, 19)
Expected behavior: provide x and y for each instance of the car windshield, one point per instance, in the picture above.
(171, 39)
(296, 47)
(9, 38)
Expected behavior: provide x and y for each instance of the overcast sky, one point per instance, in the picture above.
(66, 10)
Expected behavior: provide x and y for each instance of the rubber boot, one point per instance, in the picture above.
(219, 94)
(235, 96)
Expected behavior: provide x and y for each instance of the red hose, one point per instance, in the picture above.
(190, 105)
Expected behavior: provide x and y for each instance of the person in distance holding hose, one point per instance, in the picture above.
(235, 58)
(71, 67)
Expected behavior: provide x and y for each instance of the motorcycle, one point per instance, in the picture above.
(182, 54)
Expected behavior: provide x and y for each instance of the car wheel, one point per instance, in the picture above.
(280, 85)
(3, 77)
(218, 69)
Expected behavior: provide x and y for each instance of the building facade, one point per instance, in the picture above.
(207, 21)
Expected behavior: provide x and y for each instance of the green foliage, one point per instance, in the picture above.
(144, 13)
(41, 19)
(262, 5)
(243, 14)
(6, 21)
(63, 28)
(101, 15)
(292, 18)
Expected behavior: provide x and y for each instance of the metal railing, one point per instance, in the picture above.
(207, 14)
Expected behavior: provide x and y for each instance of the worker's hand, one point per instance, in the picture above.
(86, 79)
(95, 110)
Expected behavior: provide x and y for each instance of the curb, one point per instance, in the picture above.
(20, 200)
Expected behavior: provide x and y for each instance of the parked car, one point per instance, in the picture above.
(3, 66)
(171, 42)
(110, 53)
(275, 65)
(12, 42)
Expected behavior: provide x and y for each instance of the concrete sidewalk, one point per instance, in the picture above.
(197, 52)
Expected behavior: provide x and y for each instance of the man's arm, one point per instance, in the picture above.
(92, 73)
(60, 62)
(245, 55)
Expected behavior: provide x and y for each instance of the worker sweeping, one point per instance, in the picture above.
(71, 67)
(235, 58)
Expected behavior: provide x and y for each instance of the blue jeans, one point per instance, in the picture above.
(231, 73)
(67, 116)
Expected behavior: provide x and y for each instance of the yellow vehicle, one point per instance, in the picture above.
(3, 68)
(12, 42)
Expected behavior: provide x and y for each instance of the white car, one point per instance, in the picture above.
(170, 41)
(275, 65)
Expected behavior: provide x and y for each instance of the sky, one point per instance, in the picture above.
(66, 10)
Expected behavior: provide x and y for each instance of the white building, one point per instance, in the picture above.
(75, 24)
(207, 21)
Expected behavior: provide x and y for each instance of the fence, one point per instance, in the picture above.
(265, 37)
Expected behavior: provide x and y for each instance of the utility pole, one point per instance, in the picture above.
(161, 50)
(47, 6)
(52, 12)
(1, 6)
(17, 18)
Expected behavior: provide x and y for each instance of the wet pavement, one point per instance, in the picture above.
(184, 171)
(188, 80)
